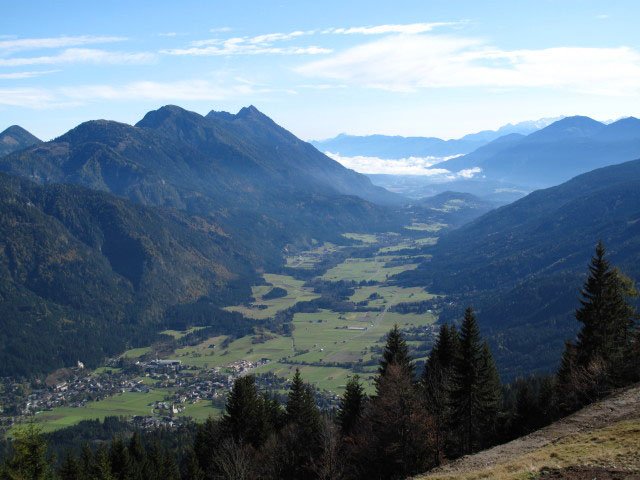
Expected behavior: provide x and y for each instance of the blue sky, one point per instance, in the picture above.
(429, 67)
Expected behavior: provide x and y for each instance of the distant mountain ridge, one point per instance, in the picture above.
(16, 138)
(395, 147)
(556, 153)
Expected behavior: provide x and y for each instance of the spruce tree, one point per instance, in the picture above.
(301, 408)
(396, 352)
(436, 384)
(29, 459)
(474, 386)
(245, 416)
(351, 405)
(489, 395)
(70, 468)
(119, 459)
(606, 316)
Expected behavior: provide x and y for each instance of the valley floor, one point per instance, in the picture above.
(600, 441)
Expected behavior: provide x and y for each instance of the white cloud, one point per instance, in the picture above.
(83, 55)
(220, 29)
(168, 34)
(19, 44)
(21, 75)
(260, 44)
(185, 90)
(411, 28)
(410, 62)
(404, 166)
(34, 98)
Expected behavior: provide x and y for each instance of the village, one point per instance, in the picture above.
(186, 385)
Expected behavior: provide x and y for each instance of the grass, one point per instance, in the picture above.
(310, 258)
(426, 227)
(409, 244)
(390, 295)
(136, 352)
(125, 404)
(295, 293)
(364, 269)
(615, 446)
(179, 334)
(361, 237)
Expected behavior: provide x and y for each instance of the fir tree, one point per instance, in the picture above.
(606, 316)
(70, 468)
(436, 383)
(119, 459)
(396, 352)
(351, 405)
(29, 459)
(245, 418)
(301, 407)
(473, 396)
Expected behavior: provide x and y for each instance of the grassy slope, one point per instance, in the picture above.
(605, 434)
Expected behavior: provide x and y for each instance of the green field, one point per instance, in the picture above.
(136, 352)
(295, 293)
(310, 258)
(426, 227)
(364, 269)
(361, 237)
(126, 404)
(179, 334)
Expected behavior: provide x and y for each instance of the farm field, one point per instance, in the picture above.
(261, 309)
(364, 269)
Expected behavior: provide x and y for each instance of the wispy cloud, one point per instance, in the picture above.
(411, 62)
(220, 29)
(19, 44)
(21, 75)
(83, 55)
(257, 45)
(410, 28)
(184, 90)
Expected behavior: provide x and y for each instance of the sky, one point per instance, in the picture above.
(440, 68)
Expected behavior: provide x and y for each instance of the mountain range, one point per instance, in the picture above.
(395, 147)
(554, 154)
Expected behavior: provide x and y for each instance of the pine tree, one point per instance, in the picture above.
(301, 408)
(437, 381)
(245, 418)
(351, 405)
(475, 386)
(119, 459)
(490, 395)
(70, 468)
(29, 459)
(396, 352)
(606, 316)
(193, 470)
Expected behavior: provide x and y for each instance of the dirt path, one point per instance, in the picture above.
(618, 407)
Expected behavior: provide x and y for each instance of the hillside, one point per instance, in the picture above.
(453, 208)
(554, 154)
(520, 266)
(246, 173)
(87, 274)
(600, 441)
(16, 138)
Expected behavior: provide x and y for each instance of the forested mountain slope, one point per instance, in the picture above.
(86, 274)
(520, 266)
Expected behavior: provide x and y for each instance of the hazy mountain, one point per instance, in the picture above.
(383, 146)
(86, 274)
(521, 265)
(16, 138)
(453, 208)
(554, 154)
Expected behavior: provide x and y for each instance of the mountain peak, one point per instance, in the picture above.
(16, 138)
(568, 127)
